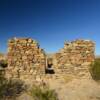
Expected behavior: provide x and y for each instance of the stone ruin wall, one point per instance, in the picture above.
(75, 58)
(25, 58)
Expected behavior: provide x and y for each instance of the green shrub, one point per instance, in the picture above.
(43, 93)
(10, 89)
(95, 69)
(3, 63)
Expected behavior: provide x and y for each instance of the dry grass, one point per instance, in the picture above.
(68, 78)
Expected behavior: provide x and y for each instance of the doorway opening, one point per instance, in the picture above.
(49, 68)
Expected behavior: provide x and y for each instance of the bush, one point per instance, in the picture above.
(95, 69)
(10, 89)
(3, 63)
(43, 93)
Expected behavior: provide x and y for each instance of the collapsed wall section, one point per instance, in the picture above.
(25, 58)
(75, 57)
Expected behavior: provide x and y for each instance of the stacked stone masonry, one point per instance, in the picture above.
(25, 58)
(75, 57)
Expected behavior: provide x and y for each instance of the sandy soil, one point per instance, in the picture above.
(76, 89)
(69, 88)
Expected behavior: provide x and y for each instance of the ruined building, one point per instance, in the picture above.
(75, 57)
(26, 58)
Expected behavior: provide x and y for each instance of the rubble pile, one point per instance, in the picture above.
(75, 57)
(25, 58)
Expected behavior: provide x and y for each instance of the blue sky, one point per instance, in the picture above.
(51, 22)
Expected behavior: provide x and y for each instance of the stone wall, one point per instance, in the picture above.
(25, 58)
(75, 57)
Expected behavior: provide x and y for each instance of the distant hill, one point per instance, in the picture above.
(3, 56)
(97, 56)
(50, 54)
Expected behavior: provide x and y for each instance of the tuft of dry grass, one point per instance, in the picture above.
(42, 93)
(67, 78)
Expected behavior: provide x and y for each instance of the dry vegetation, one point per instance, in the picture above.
(95, 69)
(10, 89)
(43, 93)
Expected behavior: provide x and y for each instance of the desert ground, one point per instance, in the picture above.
(71, 88)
